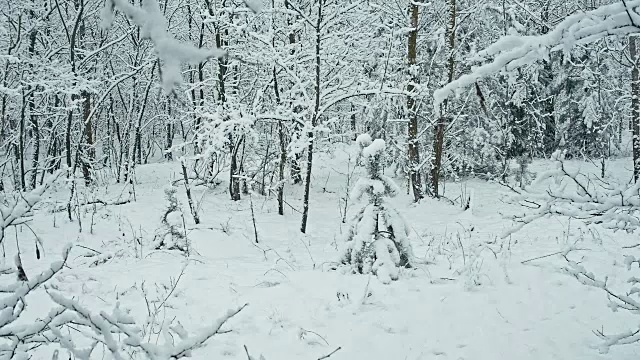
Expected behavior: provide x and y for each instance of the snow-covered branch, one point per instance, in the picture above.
(117, 331)
(590, 199)
(18, 211)
(153, 25)
(513, 51)
(580, 196)
(616, 301)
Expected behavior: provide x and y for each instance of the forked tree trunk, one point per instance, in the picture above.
(413, 146)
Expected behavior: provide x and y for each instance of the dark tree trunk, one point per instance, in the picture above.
(413, 148)
(169, 132)
(635, 105)
(314, 121)
(35, 127)
(89, 156)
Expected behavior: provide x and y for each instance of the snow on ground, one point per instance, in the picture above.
(470, 298)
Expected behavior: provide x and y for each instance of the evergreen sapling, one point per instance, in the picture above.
(172, 235)
(377, 239)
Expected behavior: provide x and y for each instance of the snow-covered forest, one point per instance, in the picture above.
(319, 179)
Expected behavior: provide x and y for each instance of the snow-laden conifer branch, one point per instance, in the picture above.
(513, 51)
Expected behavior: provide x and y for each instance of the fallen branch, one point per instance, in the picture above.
(62, 208)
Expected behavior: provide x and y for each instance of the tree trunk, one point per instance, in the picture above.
(234, 147)
(89, 156)
(283, 149)
(314, 123)
(187, 188)
(169, 132)
(413, 146)
(21, 135)
(67, 138)
(354, 131)
(35, 128)
(635, 105)
(296, 169)
(438, 143)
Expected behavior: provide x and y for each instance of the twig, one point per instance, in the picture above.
(331, 353)
(88, 248)
(548, 255)
(318, 335)
(542, 257)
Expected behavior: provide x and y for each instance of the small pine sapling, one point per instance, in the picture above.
(377, 240)
(172, 234)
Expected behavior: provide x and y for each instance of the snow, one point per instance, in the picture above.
(376, 147)
(468, 297)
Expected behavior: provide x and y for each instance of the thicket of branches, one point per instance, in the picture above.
(249, 97)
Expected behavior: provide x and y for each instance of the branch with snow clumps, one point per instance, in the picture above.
(590, 199)
(513, 51)
(580, 196)
(18, 211)
(117, 331)
(153, 26)
(616, 301)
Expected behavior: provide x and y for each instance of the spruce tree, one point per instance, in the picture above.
(377, 240)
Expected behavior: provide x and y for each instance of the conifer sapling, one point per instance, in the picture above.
(377, 240)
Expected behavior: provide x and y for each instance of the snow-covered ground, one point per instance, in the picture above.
(471, 296)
